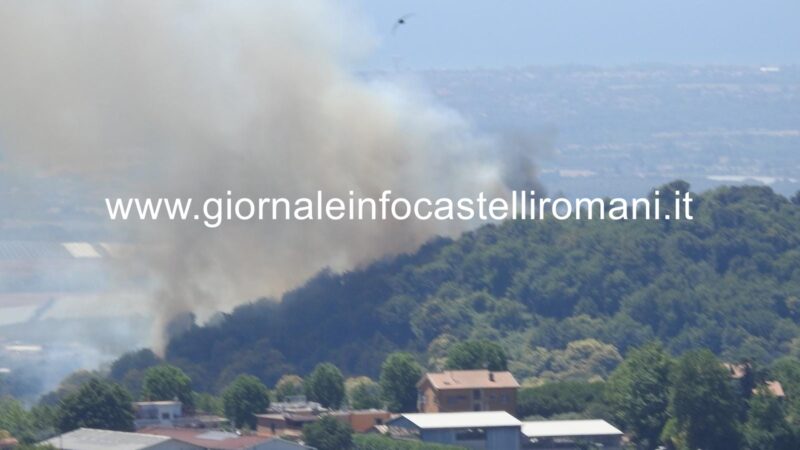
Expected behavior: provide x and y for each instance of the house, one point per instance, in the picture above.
(485, 430)
(92, 439)
(467, 390)
(223, 440)
(161, 413)
(171, 414)
(570, 435)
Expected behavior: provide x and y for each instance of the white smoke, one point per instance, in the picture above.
(192, 99)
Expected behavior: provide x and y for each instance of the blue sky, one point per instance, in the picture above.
(513, 33)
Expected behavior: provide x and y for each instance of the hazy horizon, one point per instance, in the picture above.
(443, 35)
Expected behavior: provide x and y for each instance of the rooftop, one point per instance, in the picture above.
(91, 439)
(471, 379)
(212, 440)
(159, 403)
(480, 419)
(554, 428)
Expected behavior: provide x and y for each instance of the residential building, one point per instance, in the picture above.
(171, 414)
(570, 435)
(161, 413)
(467, 390)
(486, 430)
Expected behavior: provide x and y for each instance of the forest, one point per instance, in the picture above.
(635, 322)
(567, 300)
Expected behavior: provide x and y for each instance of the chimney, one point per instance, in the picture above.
(491, 376)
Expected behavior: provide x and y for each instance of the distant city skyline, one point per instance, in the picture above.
(451, 34)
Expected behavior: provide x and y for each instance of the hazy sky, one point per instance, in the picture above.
(466, 34)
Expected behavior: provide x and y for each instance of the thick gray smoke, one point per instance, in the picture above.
(192, 99)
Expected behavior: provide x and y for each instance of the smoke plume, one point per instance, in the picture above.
(192, 99)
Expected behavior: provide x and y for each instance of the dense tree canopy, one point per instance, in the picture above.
(556, 398)
(727, 281)
(471, 355)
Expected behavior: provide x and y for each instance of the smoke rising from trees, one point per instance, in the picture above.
(192, 99)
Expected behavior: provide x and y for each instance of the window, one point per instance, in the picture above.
(476, 394)
(471, 434)
(165, 416)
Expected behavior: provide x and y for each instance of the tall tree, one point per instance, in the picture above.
(637, 393)
(243, 398)
(400, 373)
(703, 404)
(469, 355)
(167, 382)
(328, 433)
(97, 404)
(326, 386)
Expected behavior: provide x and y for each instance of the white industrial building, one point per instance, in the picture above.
(570, 434)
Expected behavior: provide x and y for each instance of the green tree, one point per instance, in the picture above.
(703, 403)
(326, 386)
(328, 433)
(400, 374)
(470, 355)
(637, 393)
(167, 382)
(363, 393)
(288, 386)
(766, 427)
(243, 398)
(16, 420)
(97, 404)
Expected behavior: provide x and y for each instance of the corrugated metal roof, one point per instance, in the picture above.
(91, 439)
(480, 419)
(553, 428)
